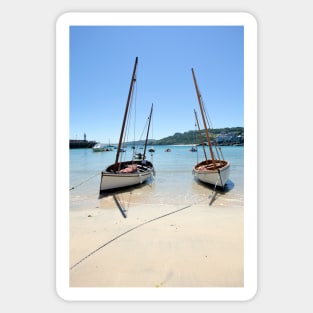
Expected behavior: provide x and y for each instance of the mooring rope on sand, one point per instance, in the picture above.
(126, 232)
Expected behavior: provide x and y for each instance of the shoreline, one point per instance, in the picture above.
(164, 233)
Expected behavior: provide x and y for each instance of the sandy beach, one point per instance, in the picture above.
(134, 241)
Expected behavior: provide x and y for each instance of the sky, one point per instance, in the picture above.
(101, 64)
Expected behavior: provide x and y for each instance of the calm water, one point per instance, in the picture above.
(173, 183)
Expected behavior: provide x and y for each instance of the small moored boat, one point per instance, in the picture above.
(214, 171)
(99, 147)
(127, 173)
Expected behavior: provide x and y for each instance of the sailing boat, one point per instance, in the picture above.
(127, 173)
(214, 171)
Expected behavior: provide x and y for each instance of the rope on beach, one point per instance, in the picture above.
(83, 182)
(126, 232)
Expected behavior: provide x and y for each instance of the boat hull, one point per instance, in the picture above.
(121, 178)
(205, 172)
(99, 147)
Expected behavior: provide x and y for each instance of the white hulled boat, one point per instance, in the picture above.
(127, 173)
(214, 170)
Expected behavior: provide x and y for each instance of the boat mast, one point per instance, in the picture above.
(125, 114)
(201, 137)
(144, 152)
(203, 118)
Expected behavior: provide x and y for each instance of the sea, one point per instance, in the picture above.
(173, 183)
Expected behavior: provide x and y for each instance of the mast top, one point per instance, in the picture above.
(126, 112)
(203, 118)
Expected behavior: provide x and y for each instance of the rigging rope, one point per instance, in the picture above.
(132, 108)
(83, 182)
(144, 130)
(128, 231)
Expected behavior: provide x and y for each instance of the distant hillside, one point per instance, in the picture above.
(228, 134)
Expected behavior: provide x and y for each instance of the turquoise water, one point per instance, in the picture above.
(173, 182)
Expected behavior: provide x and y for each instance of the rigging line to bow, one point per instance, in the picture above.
(128, 231)
(83, 182)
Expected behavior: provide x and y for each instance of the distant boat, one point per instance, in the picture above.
(127, 173)
(167, 150)
(99, 147)
(213, 171)
(193, 149)
(151, 149)
(110, 147)
(138, 156)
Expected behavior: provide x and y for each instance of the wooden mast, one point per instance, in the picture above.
(204, 119)
(201, 137)
(125, 114)
(144, 151)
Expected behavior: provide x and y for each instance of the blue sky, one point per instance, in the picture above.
(101, 64)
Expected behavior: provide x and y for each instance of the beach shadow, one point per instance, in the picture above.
(228, 186)
(120, 207)
(217, 191)
(115, 193)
